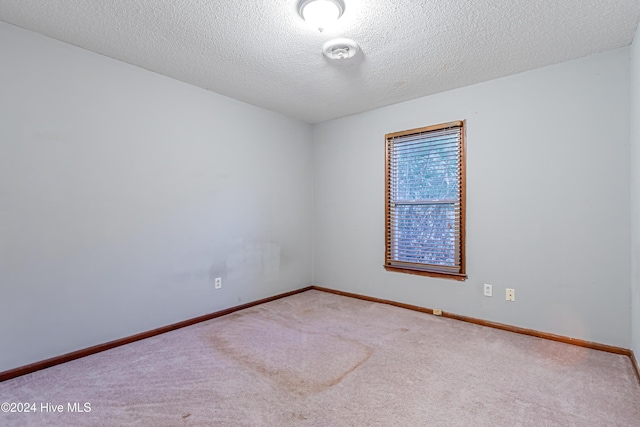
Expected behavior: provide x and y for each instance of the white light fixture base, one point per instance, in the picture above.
(340, 49)
(320, 13)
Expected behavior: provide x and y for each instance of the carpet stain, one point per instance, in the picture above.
(404, 330)
(299, 361)
(186, 415)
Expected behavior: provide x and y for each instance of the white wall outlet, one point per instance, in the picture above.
(488, 290)
(511, 294)
(437, 312)
(218, 282)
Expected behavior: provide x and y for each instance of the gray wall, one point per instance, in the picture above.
(548, 200)
(123, 193)
(635, 195)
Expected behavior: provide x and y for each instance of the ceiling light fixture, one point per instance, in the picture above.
(320, 13)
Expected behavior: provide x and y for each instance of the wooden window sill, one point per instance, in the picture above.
(438, 274)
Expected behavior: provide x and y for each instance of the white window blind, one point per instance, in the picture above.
(425, 199)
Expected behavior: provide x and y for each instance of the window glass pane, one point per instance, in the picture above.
(429, 174)
(425, 234)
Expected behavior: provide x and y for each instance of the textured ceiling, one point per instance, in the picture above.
(261, 51)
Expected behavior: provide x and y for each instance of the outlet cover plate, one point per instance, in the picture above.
(511, 294)
(488, 290)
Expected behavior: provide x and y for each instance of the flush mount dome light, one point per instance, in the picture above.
(320, 13)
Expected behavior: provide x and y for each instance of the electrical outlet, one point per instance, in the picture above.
(511, 294)
(218, 282)
(437, 312)
(488, 290)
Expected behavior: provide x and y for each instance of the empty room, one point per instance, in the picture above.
(319, 213)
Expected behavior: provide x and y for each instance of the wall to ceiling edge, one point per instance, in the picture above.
(635, 195)
(548, 204)
(124, 193)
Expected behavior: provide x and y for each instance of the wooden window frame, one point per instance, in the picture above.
(422, 269)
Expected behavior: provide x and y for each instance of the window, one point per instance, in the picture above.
(425, 201)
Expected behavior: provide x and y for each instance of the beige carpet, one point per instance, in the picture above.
(318, 359)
